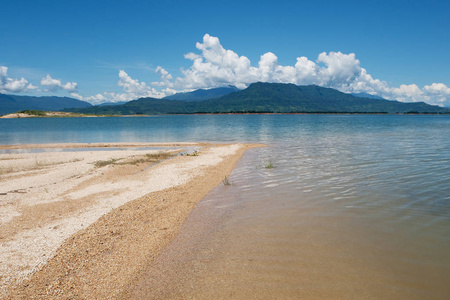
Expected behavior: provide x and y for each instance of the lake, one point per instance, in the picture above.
(355, 206)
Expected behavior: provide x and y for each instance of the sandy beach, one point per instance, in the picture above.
(86, 222)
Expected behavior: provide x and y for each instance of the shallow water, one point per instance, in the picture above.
(261, 238)
(356, 206)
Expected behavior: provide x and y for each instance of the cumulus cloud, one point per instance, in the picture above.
(12, 85)
(55, 84)
(134, 89)
(166, 81)
(3, 71)
(96, 99)
(216, 66)
(438, 91)
(165, 76)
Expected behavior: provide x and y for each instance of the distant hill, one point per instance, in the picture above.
(203, 94)
(270, 98)
(13, 103)
(366, 95)
(112, 103)
(285, 98)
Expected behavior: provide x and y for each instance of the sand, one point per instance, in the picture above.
(48, 114)
(51, 114)
(86, 224)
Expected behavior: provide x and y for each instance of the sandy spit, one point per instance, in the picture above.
(46, 114)
(97, 145)
(71, 230)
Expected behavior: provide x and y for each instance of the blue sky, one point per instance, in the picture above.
(110, 50)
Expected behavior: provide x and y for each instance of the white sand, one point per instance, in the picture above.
(52, 195)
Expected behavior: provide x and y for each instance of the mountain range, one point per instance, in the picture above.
(257, 98)
(13, 103)
(269, 98)
(203, 94)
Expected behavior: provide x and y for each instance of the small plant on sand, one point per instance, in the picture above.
(226, 182)
(195, 153)
(158, 156)
(38, 164)
(103, 163)
(148, 158)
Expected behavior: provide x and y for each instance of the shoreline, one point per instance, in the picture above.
(89, 263)
(99, 145)
(412, 113)
(59, 114)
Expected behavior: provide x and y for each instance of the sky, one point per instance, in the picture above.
(109, 51)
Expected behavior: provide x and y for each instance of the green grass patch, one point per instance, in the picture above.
(104, 163)
(266, 165)
(33, 112)
(195, 153)
(147, 158)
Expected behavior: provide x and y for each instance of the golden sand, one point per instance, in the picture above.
(97, 255)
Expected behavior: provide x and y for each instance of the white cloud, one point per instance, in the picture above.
(55, 84)
(133, 89)
(341, 69)
(12, 85)
(439, 92)
(410, 93)
(166, 78)
(3, 71)
(215, 66)
(130, 85)
(97, 99)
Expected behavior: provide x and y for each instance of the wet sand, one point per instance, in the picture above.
(71, 228)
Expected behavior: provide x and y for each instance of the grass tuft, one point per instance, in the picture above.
(159, 155)
(268, 165)
(195, 153)
(226, 181)
(6, 170)
(148, 158)
(103, 163)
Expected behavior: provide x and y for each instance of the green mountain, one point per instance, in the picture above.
(367, 95)
(270, 98)
(112, 103)
(13, 103)
(286, 98)
(203, 94)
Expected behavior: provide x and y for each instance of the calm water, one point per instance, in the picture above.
(356, 206)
